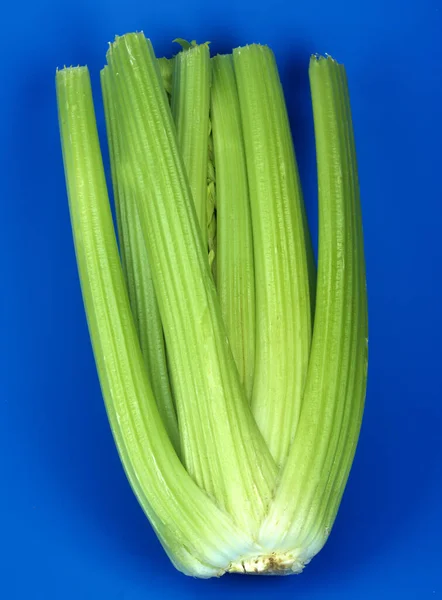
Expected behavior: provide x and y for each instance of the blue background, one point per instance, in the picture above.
(70, 526)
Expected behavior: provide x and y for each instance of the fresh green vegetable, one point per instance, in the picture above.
(267, 362)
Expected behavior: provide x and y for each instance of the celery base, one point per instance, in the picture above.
(273, 563)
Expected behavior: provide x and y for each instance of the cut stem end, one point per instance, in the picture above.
(275, 563)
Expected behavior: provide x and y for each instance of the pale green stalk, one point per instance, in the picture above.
(222, 447)
(166, 70)
(137, 271)
(351, 423)
(190, 108)
(314, 477)
(280, 241)
(199, 537)
(235, 276)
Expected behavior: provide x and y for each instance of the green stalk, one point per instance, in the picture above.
(280, 240)
(190, 109)
(314, 477)
(357, 381)
(166, 70)
(199, 537)
(235, 276)
(137, 271)
(222, 447)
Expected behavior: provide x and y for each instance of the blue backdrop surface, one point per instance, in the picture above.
(70, 525)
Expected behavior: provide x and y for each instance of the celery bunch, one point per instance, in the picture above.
(233, 373)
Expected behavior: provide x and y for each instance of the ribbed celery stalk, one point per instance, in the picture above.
(235, 276)
(190, 109)
(137, 270)
(221, 444)
(199, 537)
(281, 246)
(316, 471)
(166, 70)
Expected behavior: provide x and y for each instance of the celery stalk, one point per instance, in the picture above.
(221, 444)
(137, 271)
(190, 108)
(235, 276)
(356, 385)
(166, 70)
(283, 306)
(199, 537)
(315, 474)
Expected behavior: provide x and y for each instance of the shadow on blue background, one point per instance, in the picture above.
(71, 527)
